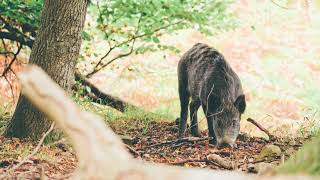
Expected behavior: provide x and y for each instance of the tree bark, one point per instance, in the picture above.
(56, 50)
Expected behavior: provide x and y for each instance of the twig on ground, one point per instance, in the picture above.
(271, 137)
(131, 150)
(178, 141)
(211, 159)
(178, 145)
(259, 161)
(285, 144)
(189, 160)
(35, 149)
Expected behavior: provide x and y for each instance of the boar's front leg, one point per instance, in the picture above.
(210, 126)
(194, 106)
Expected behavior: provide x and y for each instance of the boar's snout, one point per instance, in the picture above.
(226, 142)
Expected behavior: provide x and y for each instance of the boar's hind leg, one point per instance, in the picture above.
(210, 126)
(194, 106)
(184, 102)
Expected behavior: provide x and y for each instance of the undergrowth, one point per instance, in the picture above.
(113, 116)
(5, 115)
(305, 161)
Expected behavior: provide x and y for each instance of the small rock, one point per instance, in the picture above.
(260, 168)
(263, 167)
(268, 151)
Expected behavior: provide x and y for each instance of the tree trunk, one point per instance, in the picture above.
(56, 50)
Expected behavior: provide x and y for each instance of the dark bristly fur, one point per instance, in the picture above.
(206, 77)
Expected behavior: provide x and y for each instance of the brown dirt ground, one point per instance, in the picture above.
(58, 161)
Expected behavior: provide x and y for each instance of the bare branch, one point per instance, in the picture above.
(133, 39)
(8, 68)
(97, 68)
(11, 87)
(12, 61)
(112, 60)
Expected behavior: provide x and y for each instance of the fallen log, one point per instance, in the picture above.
(220, 161)
(100, 151)
(210, 159)
(102, 98)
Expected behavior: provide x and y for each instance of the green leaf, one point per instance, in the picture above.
(155, 39)
(85, 36)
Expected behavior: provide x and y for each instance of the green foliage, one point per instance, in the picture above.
(130, 26)
(22, 12)
(124, 21)
(307, 160)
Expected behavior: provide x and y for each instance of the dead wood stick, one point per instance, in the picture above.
(35, 150)
(189, 160)
(178, 141)
(220, 161)
(271, 137)
(212, 159)
(132, 151)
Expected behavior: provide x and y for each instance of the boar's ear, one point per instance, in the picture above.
(214, 102)
(240, 103)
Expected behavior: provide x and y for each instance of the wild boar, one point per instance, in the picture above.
(207, 79)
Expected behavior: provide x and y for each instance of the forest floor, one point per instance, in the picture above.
(154, 143)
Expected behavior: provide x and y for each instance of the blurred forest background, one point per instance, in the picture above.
(273, 46)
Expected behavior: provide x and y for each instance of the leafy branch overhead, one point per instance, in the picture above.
(19, 20)
(124, 22)
(128, 26)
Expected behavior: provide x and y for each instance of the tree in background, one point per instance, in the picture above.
(56, 50)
